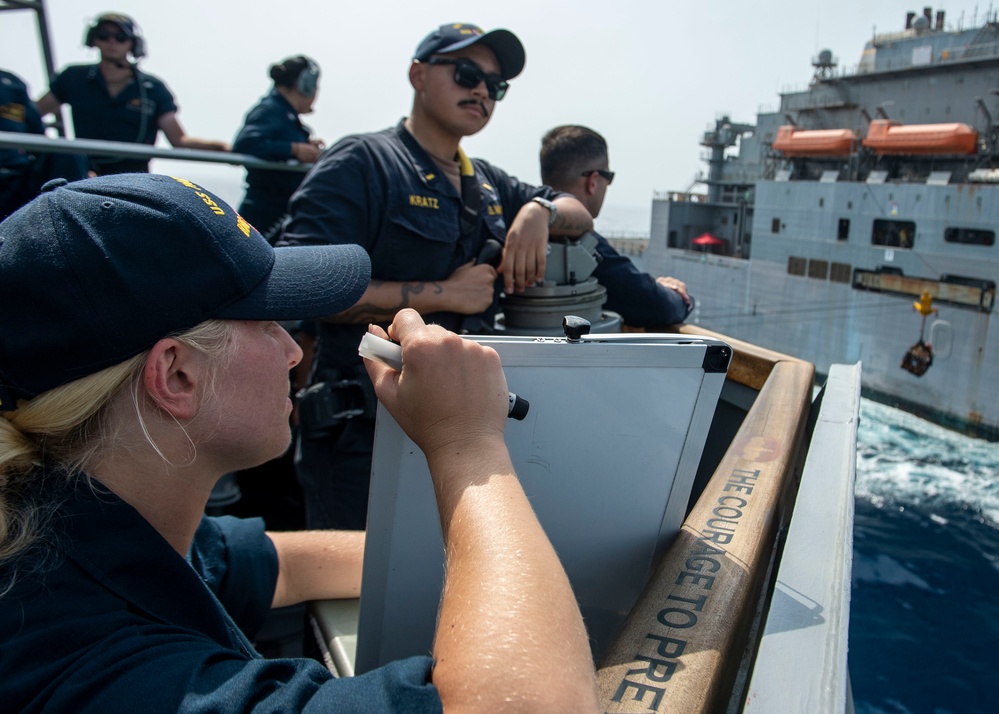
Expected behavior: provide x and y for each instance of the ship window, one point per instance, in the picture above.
(840, 273)
(895, 234)
(795, 265)
(970, 236)
(671, 241)
(843, 229)
(818, 269)
(822, 202)
(775, 225)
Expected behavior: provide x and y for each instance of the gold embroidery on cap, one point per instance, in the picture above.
(216, 208)
(199, 192)
(187, 183)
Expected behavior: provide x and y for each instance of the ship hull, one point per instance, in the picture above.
(788, 298)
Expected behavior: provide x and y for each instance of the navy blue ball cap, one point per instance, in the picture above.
(458, 35)
(96, 271)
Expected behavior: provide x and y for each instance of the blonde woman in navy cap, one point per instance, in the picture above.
(140, 360)
(114, 100)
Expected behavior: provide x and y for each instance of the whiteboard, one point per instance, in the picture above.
(607, 456)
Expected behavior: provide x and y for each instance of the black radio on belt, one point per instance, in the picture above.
(325, 406)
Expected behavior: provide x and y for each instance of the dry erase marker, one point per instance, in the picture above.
(390, 354)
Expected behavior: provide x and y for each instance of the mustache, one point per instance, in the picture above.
(485, 111)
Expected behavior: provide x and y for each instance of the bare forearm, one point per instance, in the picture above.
(468, 291)
(48, 104)
(191, 142)
(573, 219)
(506, 598)
(384, 298)
(509, 634)
(316, 565)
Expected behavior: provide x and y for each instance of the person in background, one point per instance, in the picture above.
(114, 100)
(424, 212)
(140, 360)
(17, 114)
(574, 159)
(272, 130)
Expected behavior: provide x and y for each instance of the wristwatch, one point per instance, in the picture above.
(551, 209)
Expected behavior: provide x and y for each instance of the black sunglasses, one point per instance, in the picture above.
(106, 35)
(609, 175)
(468, 74)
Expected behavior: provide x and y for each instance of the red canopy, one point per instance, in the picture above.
(707, 239)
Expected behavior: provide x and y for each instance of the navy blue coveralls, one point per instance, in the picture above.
(384, 192)
(268, 132)
(634, 295)
(105, 616)
(17, 114)
(131, 116)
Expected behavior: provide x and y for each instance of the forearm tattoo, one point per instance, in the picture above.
(565, 225)
(369, 311)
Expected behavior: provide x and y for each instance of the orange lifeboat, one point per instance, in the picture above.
(794, 142)
(891, 137)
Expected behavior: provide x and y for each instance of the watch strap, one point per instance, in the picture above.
(552, 210)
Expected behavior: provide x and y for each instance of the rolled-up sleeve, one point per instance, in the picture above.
(239, 564)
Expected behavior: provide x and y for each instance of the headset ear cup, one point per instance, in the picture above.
(308, 78)
(88, 38)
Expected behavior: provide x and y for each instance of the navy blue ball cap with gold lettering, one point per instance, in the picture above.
(458, 35)
(96, 271)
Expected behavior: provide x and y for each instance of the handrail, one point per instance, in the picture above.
(43, 144)
(680, 648)
(810, 606)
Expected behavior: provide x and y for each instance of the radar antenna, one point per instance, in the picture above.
(824, 64)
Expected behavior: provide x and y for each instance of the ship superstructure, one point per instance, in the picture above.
(861, 195)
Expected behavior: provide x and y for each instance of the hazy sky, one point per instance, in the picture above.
(650, 76)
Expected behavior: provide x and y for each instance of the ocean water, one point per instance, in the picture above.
(924, 617)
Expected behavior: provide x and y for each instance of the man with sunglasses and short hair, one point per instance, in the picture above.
(424, 212)
(114, 101)
(574, 159)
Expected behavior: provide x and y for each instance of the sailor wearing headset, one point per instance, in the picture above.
(272, 130)
(115, 101)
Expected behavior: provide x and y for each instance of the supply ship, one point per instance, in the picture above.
(857, 222)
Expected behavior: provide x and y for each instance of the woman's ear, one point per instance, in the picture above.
(171, 377)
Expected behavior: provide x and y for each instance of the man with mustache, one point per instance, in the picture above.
(424, 212)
